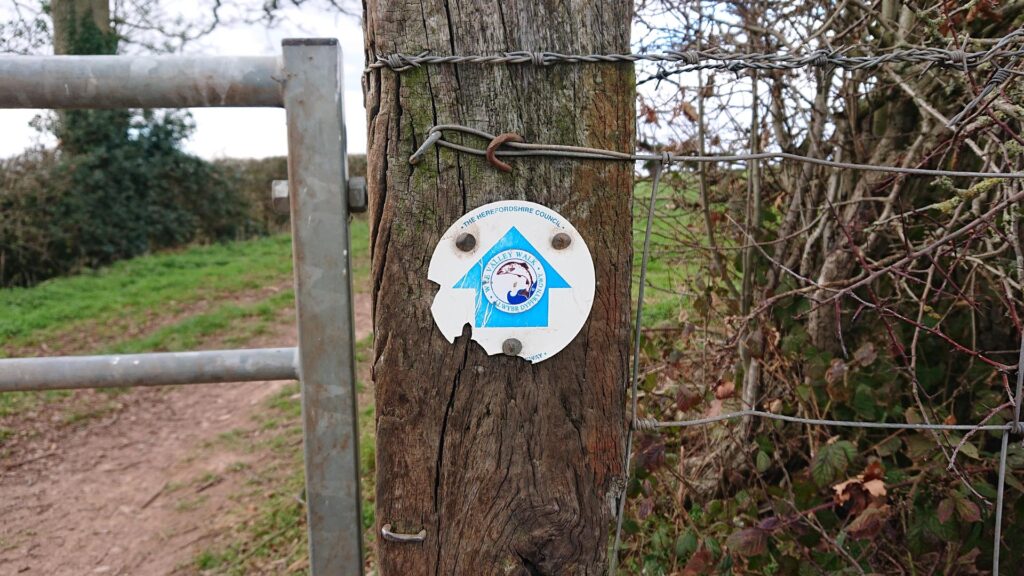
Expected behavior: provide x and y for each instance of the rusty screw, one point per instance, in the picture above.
(511, 347)
(465, 242)
(561, 241)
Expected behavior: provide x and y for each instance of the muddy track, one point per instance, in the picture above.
(140, 487)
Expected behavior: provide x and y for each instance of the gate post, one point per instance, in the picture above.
(493, 464)
(323, 293)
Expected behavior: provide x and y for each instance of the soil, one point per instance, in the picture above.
(138, 482)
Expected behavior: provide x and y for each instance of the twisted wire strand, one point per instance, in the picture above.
(692, 60)
(515, 149)
(996, 81)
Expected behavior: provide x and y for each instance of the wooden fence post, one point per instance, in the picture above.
(509, 467)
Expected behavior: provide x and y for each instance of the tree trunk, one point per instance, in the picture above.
(83, 27)
(68, 19)
(510, 467)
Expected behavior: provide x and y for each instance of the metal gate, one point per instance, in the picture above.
(306, 81)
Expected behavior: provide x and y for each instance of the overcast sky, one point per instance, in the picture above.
(243, 132)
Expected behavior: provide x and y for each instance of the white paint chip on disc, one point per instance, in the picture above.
(513, 283)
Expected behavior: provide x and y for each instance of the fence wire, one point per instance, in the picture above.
(717, 60)
(692, 60)
(681, 61)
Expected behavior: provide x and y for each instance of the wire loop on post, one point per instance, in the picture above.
(689, 57)
(432, 137)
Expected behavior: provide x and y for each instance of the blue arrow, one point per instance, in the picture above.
(488, 315)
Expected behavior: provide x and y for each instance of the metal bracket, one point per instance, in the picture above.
(356, 190)
(357, 201)
(279, 196)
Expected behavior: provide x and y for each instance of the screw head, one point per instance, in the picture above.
(465, 242)
(511, 347)
(561, 241)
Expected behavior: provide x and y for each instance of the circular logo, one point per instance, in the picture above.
(513, 281)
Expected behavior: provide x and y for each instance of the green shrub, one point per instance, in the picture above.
(113, 198)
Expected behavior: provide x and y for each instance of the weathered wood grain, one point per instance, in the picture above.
(511, 468)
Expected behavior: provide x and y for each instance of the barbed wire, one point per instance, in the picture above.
(693, 60)
(510, 145)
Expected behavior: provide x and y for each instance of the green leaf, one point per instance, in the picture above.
(970, 450)
(832, 462)
(1012, 482)
(803, 391)
(764, 462)
(864, 403)
(713, 546)
(686, 544)
(715, 508)
(889, 447)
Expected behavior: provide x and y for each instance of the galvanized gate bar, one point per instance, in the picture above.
(139, 81)
(323, 293)
(116, 371)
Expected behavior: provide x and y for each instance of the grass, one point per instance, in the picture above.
(140, 288)
(273, 539)
(155, 286)
(239, 323)
(668, 268)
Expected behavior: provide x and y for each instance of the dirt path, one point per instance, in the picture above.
(140, 490)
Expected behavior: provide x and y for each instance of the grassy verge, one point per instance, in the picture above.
(138, 290)
(154, 286)
(273, 538)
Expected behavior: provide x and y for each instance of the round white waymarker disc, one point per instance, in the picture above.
(519, 274)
